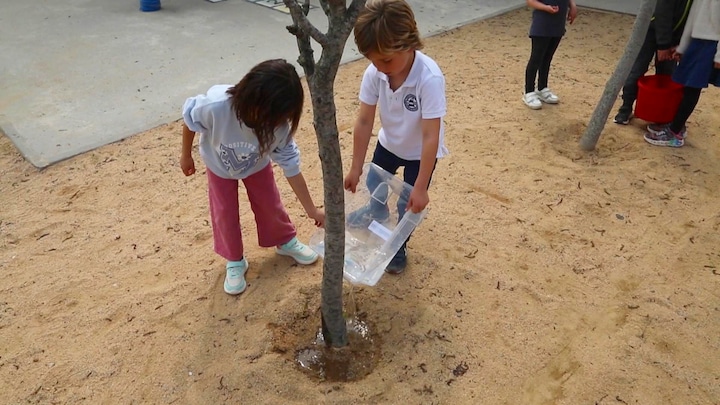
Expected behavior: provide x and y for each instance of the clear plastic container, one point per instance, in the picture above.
(372, 232)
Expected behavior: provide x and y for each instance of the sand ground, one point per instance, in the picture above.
(547, 274)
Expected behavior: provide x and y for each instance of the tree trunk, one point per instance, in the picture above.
(333, 323)
(321, 78)
(617, 80)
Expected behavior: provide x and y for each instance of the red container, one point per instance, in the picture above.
(658, 98)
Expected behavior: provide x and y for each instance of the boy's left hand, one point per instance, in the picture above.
(419, 199)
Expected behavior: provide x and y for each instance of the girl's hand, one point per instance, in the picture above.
(717, 65)
(418, 200)
(318, 216)
(677, 56)
(552, 9)
(187, 164)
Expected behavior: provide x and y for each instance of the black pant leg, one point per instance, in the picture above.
(544, 71)
(639, 68)
(691, 96)
(538, 47)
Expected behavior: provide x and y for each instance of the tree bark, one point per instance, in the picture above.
(617, 79)
(333, 323)
(321, 78)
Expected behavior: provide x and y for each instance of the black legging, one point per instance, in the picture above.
(541, 55)
(691, 96)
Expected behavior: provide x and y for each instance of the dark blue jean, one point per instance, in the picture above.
(389, 162)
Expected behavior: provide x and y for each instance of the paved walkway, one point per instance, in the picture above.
(77, 75)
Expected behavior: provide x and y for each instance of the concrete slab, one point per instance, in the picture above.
(620, 6)
(78, 74)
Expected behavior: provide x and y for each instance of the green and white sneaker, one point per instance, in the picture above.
(298, 251)
(235, 277)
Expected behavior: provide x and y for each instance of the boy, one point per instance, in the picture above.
(409, 88)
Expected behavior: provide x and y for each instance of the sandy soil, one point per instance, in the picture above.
(547, 274)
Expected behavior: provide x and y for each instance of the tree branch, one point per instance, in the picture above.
(337, 7)
(353, 11)
(303, 23)
(325, 7)
(306, 59)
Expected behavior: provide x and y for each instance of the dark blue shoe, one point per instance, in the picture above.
(363, 217)
(398, 263)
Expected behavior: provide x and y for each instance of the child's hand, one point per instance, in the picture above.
(717, 65)
(187, 164)
(318, 216)
(418, 200)
(552, 9)
(351, 180)
(572, 13)
(676, 56)
(664, 54)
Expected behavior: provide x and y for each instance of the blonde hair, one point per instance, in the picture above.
(385, 27)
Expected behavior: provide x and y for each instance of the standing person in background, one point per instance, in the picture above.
(699, 56)
(662, 37)
(546, 31)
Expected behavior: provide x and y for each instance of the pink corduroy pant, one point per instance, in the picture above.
(273, 223)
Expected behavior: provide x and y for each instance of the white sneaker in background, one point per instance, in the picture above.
(548, 96)
(532, 100)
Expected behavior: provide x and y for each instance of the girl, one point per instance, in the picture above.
(699, 56)
(243, 128)
(546, 31)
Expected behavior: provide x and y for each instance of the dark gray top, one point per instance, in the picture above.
(545, 24)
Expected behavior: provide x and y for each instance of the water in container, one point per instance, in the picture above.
(376, 225)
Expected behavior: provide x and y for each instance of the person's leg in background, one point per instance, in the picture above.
(544, 72)
(691, 96)
(638, 69)
(539, 46)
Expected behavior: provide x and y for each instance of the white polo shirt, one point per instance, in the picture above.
(421, 96)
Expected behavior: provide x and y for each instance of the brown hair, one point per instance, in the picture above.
(386, 26)
(269, 96)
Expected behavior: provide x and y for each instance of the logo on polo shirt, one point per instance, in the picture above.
(411, 103)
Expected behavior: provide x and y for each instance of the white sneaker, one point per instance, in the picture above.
(548, 96)
(298, 251)
(532, 100)
(235, 277)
